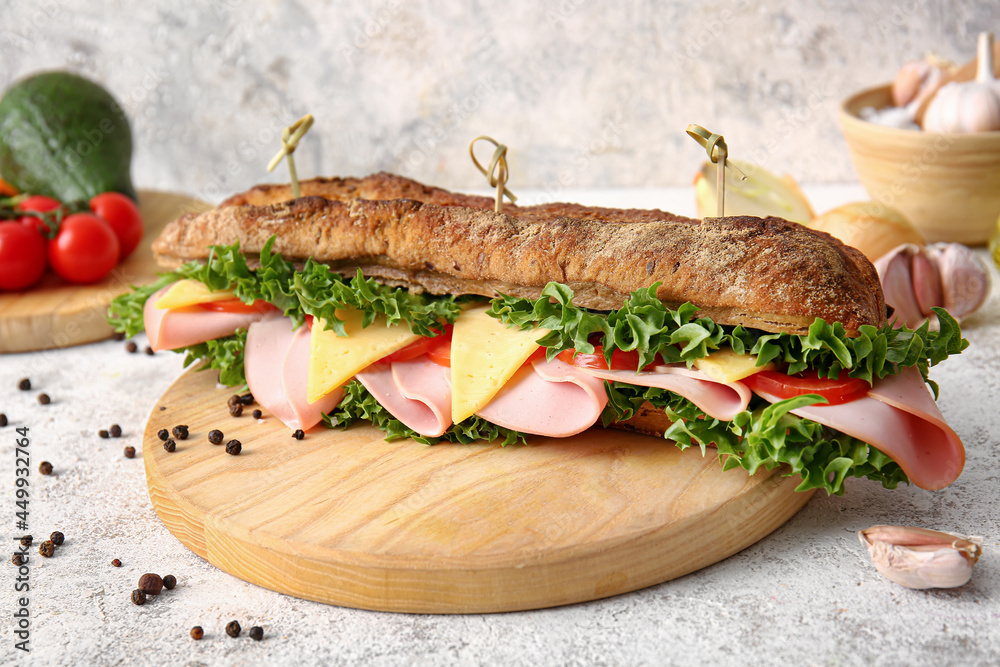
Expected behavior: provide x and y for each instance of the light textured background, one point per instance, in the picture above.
(585, 93)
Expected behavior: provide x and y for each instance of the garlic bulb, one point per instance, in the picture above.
(918, 79)
(921, 558)
(872, 228)
(973, 106)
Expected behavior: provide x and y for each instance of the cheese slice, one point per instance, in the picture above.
(485, 354)
(726, 366)
(189, 293)
(333, 359)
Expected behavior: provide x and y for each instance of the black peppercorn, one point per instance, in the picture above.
(129, 452)
(46, 548)
(149, 351)
(138, 597)
(150, 584)
(26, 541)
(170, 445)
(116, 562)
(246, 399)
(17, 558)
(44, 399)
(131, 347)
(118, 336)
(234, 447)
(57, 538)
(197, 632)
(45, 468)
(3, 419)
(24, 384)
(180, 431)
(163, 434)
(215, 436)
(256, 633)
(102, 433)
(233, 629)
(236, 410)
(169, 582)
(115, 431)
(299, 434)
(257, 414)
(233, 400)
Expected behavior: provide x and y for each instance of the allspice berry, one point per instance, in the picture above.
(17, 559)
(233, 629)
(129, 452)
(256, 633)
(45, 468)
(46, 548)
(169, 581)
(197, 632)
(138, 597)
(150, 584)
(234, 447)
(57, 538)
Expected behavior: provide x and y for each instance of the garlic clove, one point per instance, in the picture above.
(897, 284)
(926, 282)
(965, 283)
(921, 558)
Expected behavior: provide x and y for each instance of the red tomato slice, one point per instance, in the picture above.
(620, 359)
(411, 351)
(842, 390)
(234, 305)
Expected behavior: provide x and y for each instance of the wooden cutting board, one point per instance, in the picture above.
(344, 517)
(55, 313)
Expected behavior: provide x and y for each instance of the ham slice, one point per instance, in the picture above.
(552, 399)
(276, 363)
(169, 329)
(899, 417)
(721, 400)
(416, 392)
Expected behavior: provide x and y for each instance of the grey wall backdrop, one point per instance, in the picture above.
(585, 93)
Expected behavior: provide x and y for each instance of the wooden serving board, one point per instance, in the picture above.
(344, 517)
(55, 313)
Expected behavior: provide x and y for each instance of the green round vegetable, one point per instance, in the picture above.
(64, 136)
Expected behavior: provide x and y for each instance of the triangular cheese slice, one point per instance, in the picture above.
(333, 359)
(725, 365)
(485, 354)
(189, 292)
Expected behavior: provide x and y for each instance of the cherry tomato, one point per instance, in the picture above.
(123, 216)
(85, 250)
(234, 305)
(40, 204)
(620, 359)
(842, 390)
(22, 256)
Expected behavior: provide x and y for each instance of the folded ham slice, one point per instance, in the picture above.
(276, 363)
(169, 329)
(416, 392)
(900, 418)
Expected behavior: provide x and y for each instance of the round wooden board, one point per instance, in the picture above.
(344, 517)
(55, 313)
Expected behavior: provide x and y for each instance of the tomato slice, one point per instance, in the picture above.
(234, 305)
(620, 359)
(437, 349)
(842, 390)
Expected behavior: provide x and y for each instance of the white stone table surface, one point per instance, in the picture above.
(805, 595)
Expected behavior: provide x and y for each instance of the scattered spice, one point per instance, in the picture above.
(150, 584)
(215, 436)
(102, 433)
(118, 336)
(115, 431)
(138, 597)
(180, 431)
(236, 410)
(24, 384)
(256, 633)
(170, 446)
(257, 414)
(116, 562)
(246, 399)
(44, 399)
(234, 447)
(163, 434)
(3, 419)
(130, 452)
(233, 629)
(46, 548)
(45, 468)
(131, 347)
(197, 632)
(233, 400)
(26, 540)
(17, 558)
(149, 351)
(299, 434)
(57, 538)
(169, 582)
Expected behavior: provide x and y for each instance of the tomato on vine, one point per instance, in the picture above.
(85, 250)
(123, 216)
(22, 256)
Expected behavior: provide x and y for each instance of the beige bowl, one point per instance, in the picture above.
(948, 185)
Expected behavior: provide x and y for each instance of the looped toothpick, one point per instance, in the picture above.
(289, 142)
(499, 163)
(717, 150)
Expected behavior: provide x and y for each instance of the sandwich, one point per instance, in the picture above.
(434, 318)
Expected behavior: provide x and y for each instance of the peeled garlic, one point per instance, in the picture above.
(921, 558)
(762, 194)
(871, 227)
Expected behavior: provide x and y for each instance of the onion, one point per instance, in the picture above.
(872, 228)
(761, 194)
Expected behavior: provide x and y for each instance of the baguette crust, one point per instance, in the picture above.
(767, 274)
